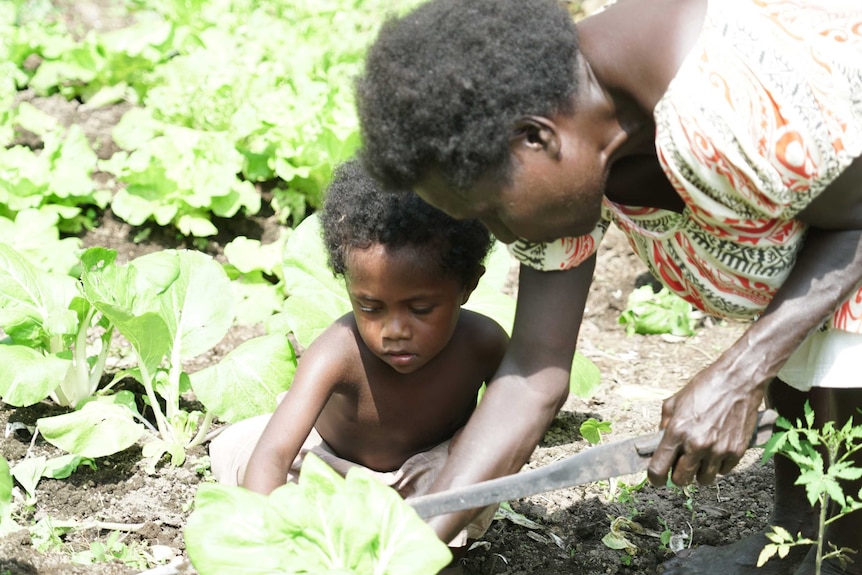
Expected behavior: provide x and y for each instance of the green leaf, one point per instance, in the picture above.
(586, 377)
(30, 297)
(768, 551)
(325, 524)
(246, 382)
(32, 377)
(98, 429)
(198, 306)
(592, 430)
(315, 296)
(654, 313)
(28, 472)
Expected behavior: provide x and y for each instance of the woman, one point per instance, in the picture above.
(722, 137)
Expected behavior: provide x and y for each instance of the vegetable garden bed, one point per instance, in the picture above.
(88, 164)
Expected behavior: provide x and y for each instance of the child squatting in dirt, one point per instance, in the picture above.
(388, 386)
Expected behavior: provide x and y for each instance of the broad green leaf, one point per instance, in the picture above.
(29, 376)
(586, 377)
(226, 533)
(35, 120)
(65, 465)
(130, 300)
(405, 543)
(246, 382)
(7, 524)
(98, 429)
(492, 303)
(256, 299)
(30, 296)
(315, 296)
(325, 524)
(28, 472)
(198, 307)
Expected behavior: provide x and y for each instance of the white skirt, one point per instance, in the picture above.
(830, 358)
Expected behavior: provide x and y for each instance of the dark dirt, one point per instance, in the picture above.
(564, 529)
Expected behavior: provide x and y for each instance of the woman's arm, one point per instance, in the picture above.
(316, 376)
(708, 423)
(528, 389)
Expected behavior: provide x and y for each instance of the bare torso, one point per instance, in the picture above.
(380, 418)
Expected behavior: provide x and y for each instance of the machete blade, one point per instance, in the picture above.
(598, 462)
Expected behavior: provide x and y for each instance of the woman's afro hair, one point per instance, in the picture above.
(444, 84)
(357, 213)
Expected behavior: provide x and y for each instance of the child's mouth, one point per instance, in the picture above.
(401, 358)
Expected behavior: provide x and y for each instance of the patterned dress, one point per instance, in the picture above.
(763, 114)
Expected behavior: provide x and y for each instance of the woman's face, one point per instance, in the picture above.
(553, 191)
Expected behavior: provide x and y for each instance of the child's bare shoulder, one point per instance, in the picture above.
(482, 332)
(338, 344)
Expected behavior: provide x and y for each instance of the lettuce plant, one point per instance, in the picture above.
(648, 312)
(170, 306)
(325, 524)
(49, 326)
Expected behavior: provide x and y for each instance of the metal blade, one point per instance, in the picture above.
(599, 462)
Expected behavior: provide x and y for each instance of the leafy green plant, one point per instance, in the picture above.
(56, 178)
(323, 524)
(648, 312)
(256, 276)
(113, 550)
(170, 306)
(825, 457)
(175, 175)
(592, 429)
(48, 325)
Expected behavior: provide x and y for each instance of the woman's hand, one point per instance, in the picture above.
(708, 424)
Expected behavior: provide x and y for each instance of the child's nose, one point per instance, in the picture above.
(396, 327)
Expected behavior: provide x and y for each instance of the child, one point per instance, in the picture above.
(388, 386)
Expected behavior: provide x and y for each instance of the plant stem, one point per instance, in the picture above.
(821, 532)
(147, 382)
(201, 435)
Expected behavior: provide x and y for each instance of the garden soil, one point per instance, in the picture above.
(561, 532)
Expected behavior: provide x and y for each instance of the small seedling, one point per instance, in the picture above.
(821, 478)
(592, 430)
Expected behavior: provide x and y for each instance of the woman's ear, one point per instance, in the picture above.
(471, 285)
(536, 134)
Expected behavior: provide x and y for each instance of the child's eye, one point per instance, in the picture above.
(367, 309)
(422, 310)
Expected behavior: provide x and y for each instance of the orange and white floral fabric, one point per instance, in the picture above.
(763, 114)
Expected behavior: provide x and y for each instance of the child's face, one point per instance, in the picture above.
(405, 307)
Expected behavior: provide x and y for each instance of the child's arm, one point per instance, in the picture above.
(320, 369)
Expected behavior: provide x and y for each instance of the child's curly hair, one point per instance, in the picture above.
(357, 213)
(443, 85)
